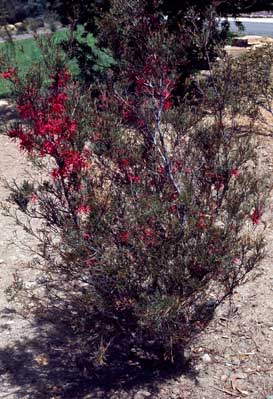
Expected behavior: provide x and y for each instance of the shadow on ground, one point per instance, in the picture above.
(50, 366)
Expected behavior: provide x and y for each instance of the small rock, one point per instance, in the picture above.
(211, 303)
(42, 359)
(236, 362)
(219, 225)
(30, 284)
(187, 354)
(142, 394)
(176, 391)
(206, 358)
(224, 378)
(146, 394)
(20, 26)
(11, 28)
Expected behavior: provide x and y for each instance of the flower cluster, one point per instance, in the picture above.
(51, 130)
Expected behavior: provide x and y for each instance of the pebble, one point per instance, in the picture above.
(146, 394)
(142, 394)
(220, 225)
(30, 284)
(187, 354)
(176, 391)
(9, 322)
(1, 261)
(206, 358)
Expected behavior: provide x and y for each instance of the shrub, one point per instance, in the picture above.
(148, 213)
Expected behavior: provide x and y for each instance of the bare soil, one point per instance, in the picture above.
(232, 359)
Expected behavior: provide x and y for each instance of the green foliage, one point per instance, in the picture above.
(83, 50)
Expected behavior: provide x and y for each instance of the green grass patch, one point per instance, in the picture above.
(22, 54)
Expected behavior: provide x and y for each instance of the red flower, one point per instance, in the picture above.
(202, 222)
(140, 123)
(26, 110)
(63, 78)
(26, 141)
(129, 116)
(236, 261)
(90, 262)
(71, 128)
(48, 148)
(87, 236)
(167, 105)
(83, 209)
(58, 103)
(33, 198)
(256, 215)
(9, 73)
(134, 178)
(174, 196)
(73, 163)
(57, 108)
(161, 170)
(177, 167)
(234, 172)
(124, 237)
(54, 127)
(124, 163)
(97, 137)
(173, 208)
(149, 237)
(61, 97)
(56, 173)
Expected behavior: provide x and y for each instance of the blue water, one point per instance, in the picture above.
(255, 28)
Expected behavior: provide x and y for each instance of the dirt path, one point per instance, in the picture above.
(233, 358)
(13, 327)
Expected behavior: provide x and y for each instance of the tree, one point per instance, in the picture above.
(192, 16)
(84, 11)
(18, 10)
(80, 11)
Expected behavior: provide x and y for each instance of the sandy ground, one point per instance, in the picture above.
(232, 359)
